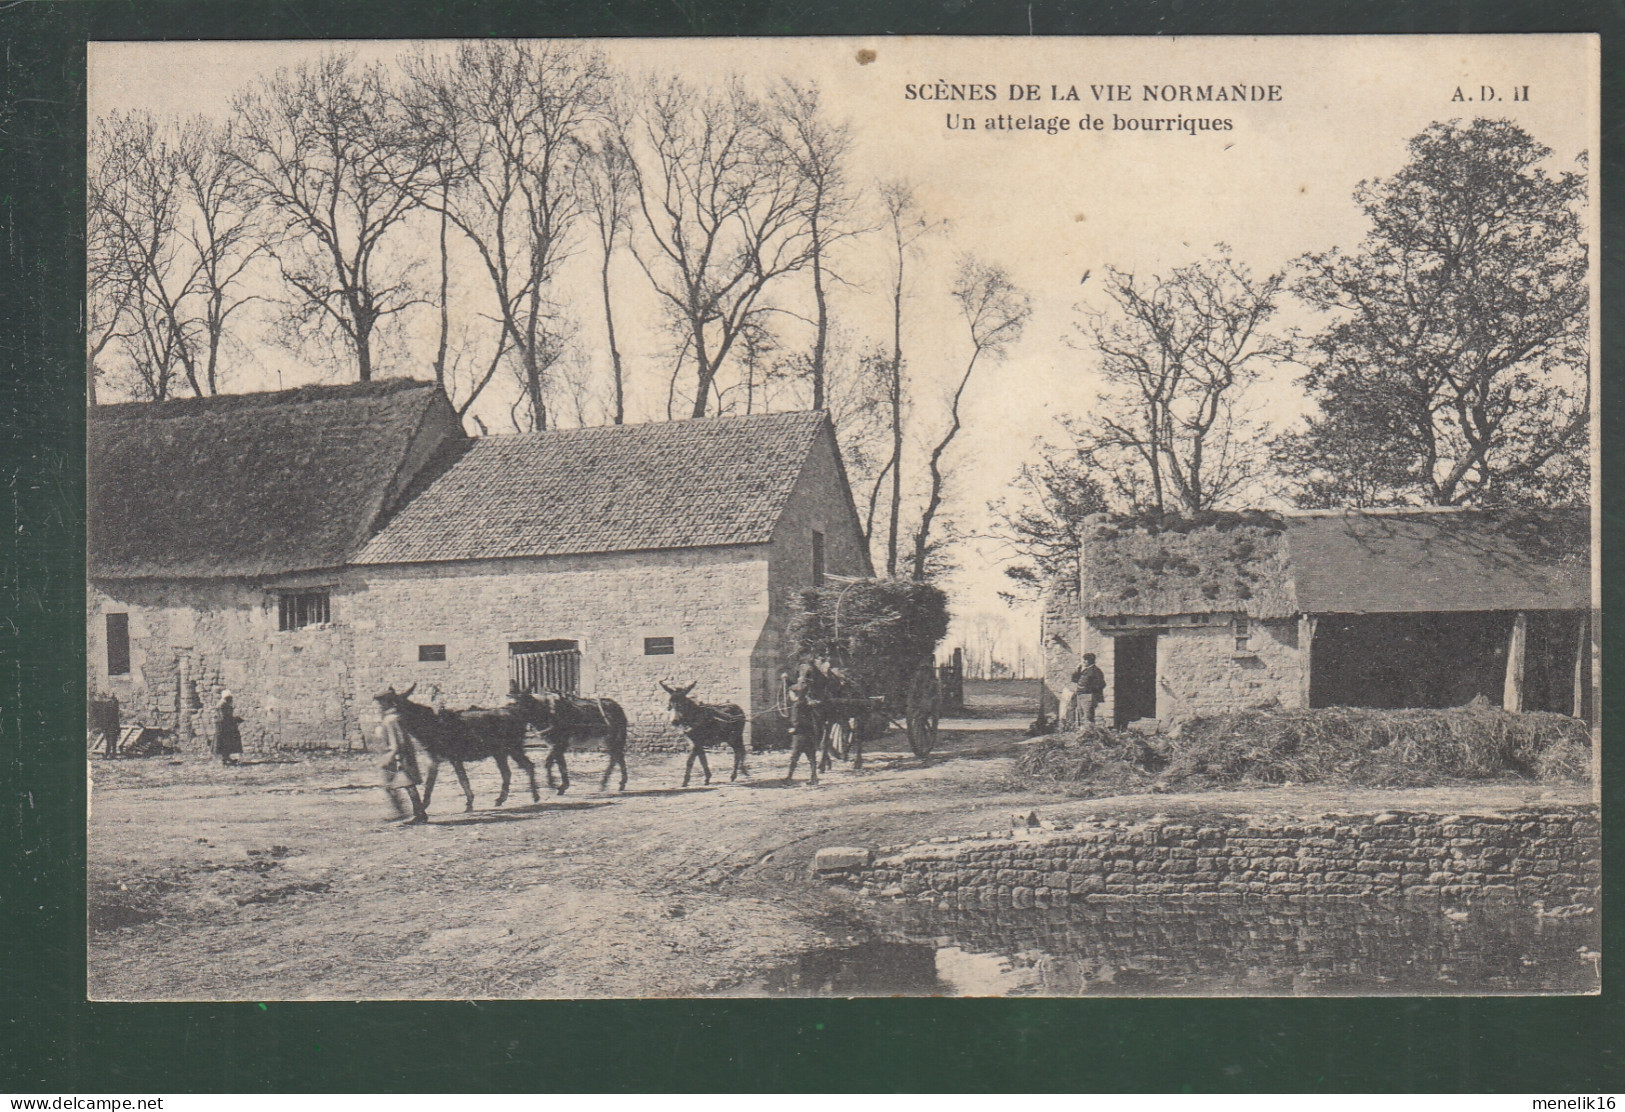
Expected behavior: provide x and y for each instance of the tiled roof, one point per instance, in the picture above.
(245, 484)
(675, 484)
(1358, 563)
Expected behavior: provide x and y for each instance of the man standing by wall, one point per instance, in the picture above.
(1091, 685)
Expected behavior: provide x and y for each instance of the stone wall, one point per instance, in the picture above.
(1546, 853)
(711, 602)
(190, 640)
(1060, 631)
(1203, 670)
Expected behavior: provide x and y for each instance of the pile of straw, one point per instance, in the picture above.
(1336, 745)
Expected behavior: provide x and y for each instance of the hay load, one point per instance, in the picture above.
(881, 629)
(1347, 746)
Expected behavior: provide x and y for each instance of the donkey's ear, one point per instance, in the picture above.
(663, 686)
(690, 687)
(392, 689)
(407, 694)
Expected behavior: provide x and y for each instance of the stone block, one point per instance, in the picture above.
(837, 858)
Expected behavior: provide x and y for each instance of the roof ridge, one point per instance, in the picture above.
(257, 399)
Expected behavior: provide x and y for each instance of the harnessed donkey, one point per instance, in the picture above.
(474, 734)
(569, 719)
(706, 724)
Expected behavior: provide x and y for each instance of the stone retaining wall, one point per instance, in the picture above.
(1546, 853)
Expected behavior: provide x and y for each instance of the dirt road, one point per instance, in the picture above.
(280, 879)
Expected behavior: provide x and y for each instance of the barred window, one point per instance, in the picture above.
(431, 654)
(298, 609)
(659, 646)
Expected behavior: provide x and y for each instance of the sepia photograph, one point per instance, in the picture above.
(825, 517)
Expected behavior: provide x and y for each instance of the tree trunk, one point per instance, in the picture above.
(445, 281)
(821, 340)
(896, 417)
(703, 373)
(363, 353)
(614, 351)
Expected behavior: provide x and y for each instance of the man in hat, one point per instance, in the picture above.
(399, 770)
(1091, 683)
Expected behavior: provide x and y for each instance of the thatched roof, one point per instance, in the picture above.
(1269, 566)
(248, 484)
(1212, 564)
(623, 488)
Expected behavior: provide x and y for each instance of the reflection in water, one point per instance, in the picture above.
(1126, 948)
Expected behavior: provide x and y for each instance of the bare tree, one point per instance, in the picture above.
(608, 185)
(995, 312)
(723, 215)
(1178, 353)
(222, 229)
(905, 225)
(816, 151)
(326, 150)
(511, 121)
(143, 273)
(107, 245)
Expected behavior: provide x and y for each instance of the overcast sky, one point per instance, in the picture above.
(1049, 207)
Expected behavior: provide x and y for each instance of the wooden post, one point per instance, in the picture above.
(1579, 669)
(1512, 696)
(1306, 642)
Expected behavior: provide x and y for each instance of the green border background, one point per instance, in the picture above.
(54, 1042)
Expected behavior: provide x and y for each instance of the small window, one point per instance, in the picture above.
(431, 654)
(659, 646)
(298, 609)
(118, 644)
(817, 558)
(1244, 635)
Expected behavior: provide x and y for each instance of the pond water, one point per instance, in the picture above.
(1206, 949)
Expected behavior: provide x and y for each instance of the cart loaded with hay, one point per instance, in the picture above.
(875, 641)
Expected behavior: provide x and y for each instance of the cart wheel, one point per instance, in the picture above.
(922, 733)
(923, 718)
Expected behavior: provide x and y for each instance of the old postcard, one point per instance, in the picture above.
(923, 516)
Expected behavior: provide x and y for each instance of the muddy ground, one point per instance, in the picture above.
(280, 879)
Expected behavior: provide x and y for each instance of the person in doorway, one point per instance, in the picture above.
(1091, 684)
(228, 739)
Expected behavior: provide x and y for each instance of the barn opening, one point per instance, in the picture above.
(1393, 661)
(1134, 677)
(553, 665)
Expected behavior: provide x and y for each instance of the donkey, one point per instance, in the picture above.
(460, 736)
(705, 724)
(566, 719)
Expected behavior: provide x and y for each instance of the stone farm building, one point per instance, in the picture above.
(308, 548)
(1413, 608)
